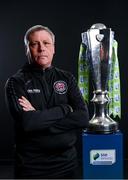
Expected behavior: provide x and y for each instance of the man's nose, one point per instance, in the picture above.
(41, 47)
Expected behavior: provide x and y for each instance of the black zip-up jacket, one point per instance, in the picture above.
(46, 137)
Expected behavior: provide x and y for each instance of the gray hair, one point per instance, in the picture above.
(37, 28)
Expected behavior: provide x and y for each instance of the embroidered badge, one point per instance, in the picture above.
(60, 87)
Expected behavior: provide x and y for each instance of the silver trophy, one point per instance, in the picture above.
(98, 40)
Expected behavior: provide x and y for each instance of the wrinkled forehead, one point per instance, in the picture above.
(40, 35)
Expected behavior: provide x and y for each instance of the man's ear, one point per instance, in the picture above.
(54, 49)
(26, 50)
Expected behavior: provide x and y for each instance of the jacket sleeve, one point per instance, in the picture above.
(79, 118)
(30, 120)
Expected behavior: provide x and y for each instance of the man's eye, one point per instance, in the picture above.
(47, 43)
(33, 44)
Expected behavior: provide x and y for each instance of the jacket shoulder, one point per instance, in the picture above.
(19, 76)
(63, 72)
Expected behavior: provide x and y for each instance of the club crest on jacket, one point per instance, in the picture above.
(60, 87)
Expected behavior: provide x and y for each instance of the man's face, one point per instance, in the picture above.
(41, 48)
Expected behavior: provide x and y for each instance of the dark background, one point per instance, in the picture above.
(67, 20)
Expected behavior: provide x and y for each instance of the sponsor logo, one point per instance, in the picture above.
(103, 157)
(60, 87)
(33, 91)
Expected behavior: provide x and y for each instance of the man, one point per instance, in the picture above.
(47, 108)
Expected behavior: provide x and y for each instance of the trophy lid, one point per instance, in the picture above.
(98, 26)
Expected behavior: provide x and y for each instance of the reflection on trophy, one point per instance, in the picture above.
(98, 40)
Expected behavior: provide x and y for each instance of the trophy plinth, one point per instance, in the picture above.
(98, 40)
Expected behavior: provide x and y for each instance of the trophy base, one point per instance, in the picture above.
(97, 130)
(102, 126)
(101, 123)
